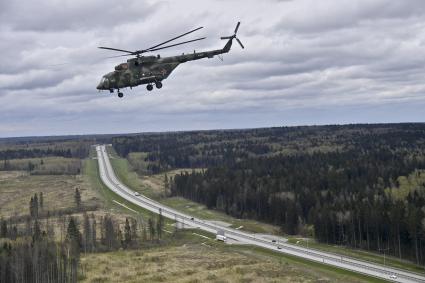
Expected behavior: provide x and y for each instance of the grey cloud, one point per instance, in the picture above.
(342, 57)
(50, 15)
(315, 16)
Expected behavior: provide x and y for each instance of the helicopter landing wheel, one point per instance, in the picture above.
(149, 87)
(120, 94)
(158, 85)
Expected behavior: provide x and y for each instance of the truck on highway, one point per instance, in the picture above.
(220, 238)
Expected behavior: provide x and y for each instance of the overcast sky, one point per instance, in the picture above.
(305, 62)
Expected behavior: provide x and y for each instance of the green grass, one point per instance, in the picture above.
(188, 258)
(201, 211)
(131, 179)
(91, 171)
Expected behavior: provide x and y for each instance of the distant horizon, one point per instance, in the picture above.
(201, 130)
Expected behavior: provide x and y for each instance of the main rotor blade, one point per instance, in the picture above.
(226, 37)
(237, 27)
(118, 56)
(115, 49)
(168, 46)
(240, 43)
(150, 48)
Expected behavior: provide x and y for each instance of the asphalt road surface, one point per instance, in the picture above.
(111, 181)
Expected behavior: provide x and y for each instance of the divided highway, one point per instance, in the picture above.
(111, 181)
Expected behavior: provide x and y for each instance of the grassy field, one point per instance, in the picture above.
(91, 173)
(17, 187)
(190, 258)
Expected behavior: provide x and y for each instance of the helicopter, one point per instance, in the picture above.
(152, 70)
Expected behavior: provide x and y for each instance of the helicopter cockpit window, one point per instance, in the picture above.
(121, 67)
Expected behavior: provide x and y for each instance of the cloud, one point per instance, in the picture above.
(301, 57)
(59, 15)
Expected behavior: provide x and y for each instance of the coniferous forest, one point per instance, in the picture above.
(361, 186)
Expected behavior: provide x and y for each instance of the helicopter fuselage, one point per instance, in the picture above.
(151, 69)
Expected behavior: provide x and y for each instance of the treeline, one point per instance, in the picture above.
(49, 166)
(33, 252)
(203, 149)
(79, 152)
(30, 253)
(337, 183)
(344, 196)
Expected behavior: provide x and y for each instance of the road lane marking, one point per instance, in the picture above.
(124, 206)
(202, 236)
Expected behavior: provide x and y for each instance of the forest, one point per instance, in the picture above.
(361, 186)
(33, 250)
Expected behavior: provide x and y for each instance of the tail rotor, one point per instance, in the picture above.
(234, 35)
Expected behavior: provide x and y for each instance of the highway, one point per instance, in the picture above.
(111, 181)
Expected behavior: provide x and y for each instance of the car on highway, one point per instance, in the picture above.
(136, 194)
(393, 276)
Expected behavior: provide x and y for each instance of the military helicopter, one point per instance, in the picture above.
(152, 70)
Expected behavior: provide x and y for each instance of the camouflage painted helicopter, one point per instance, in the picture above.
(152, 70)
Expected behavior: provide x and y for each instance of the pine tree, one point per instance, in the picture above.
(37, 232)
(151, 225)
(86, 233)
(127, 234)
(93, 232)
(144, 233)
(72, 232)
(133, 227)
(77, 198)
(3, 228)
(160, 224)
(31, 206)
(166, 184)
(41, 200)
(35, 205)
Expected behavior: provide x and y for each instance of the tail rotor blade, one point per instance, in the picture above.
(237, 27)
(240, 43)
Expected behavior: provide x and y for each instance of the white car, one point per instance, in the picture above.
(393, 276)
(136, 194)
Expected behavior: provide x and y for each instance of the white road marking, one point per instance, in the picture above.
(202, 236)
(124, 206)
